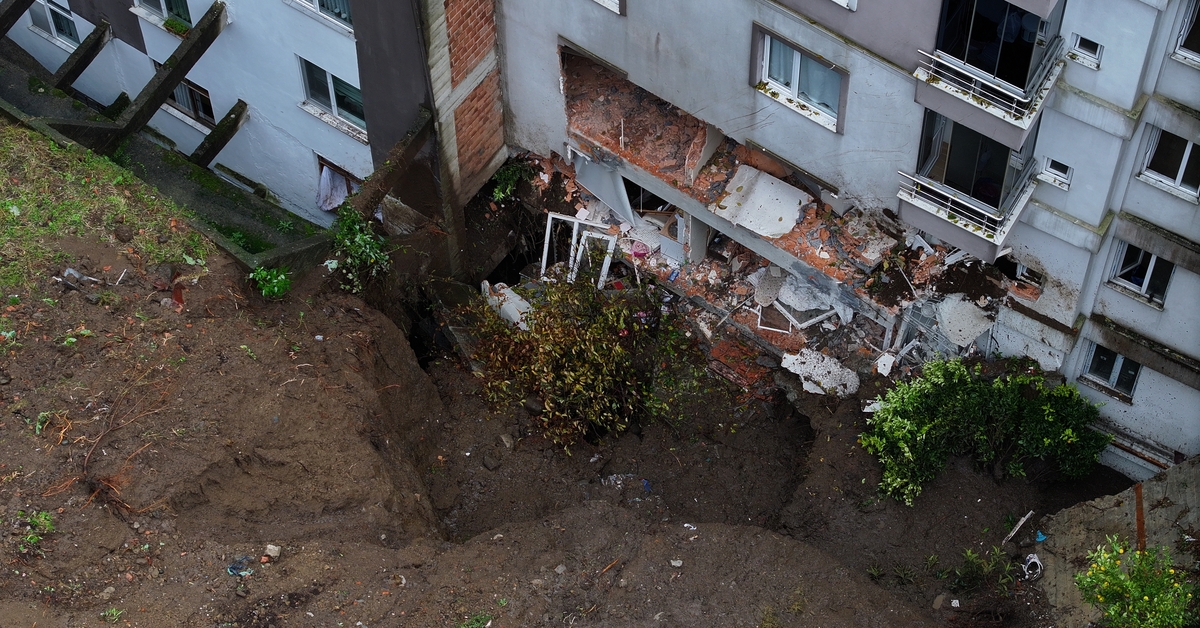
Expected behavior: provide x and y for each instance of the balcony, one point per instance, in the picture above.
(961, 220)
(955, 85)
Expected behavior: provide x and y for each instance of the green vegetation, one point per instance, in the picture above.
(1135, 589)
(112, 615)
(597, 360)
(272, 282)
(478, 620)
(47, 192)
(954, 410)
(507, 178)
(177, 26)
(364, 253)
(38, 525)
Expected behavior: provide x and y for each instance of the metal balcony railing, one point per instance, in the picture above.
(963, 210)
(973, 84)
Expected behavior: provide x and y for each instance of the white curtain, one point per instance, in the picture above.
(779, 62)
(820, 85)
(333, 189)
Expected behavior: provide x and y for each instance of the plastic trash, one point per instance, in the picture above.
(72, 273)
(240, 567)
(1041, 536)
(1033, 567)
(646, 484)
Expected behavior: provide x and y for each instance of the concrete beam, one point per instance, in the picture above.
(10, 12)
(220, 135)
(168, 77)
(390, 172)
(83, 56)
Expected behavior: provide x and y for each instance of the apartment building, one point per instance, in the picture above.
(1053, 139)
(330, 86)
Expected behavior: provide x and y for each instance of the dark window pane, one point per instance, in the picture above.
(349, 102)
(1168, 155)
(339, 9)
(1127, 376)
(38, 14)
(1134, 265)
(178, 9)
(64, 26)
(1102, 363)
(1159, 277)
(1191, 40)
(317, 82)
(203, 106)
(154, 6)
(1191, 171)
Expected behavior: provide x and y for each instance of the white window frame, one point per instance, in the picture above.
(336, 118)
(851, 5)
(791, 96)
(1054, 175)
(1176, 185)
(1109, 386)
(48, 9)
(159, 9)
(1085, 57)
(1143, 290)
(315, 5)
(616, 6)
(1191, 22)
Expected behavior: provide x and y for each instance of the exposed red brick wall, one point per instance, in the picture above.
(479, 126)
(472, 28)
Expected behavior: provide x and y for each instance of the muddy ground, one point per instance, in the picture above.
(170, 444)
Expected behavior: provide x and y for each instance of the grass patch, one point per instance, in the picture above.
(47, 192)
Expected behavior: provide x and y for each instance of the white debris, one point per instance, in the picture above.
(761, 203)
(821, 373)
(961, 320)
(677, 563)
(802, 297)
(885, 363)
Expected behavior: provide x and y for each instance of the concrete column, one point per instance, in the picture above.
(10, 12)
(388, 175)
(220, 135)
(83, 56)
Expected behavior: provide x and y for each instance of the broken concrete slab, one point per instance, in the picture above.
(821, 374)
(961, 320)
(761, 203)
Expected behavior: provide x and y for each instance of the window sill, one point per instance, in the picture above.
(335, 122)
(153, 19)
(1133, 294)
(185, 118)
(1083, 59)
(69, 47)
(851, 5)
(309, 10)
(1154, 181)
(1091, 382)
(1045, 177)
(1186, 58)
(799, 106)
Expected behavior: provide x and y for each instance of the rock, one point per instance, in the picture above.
(4, 378)
(490, 462)
(504, 438)
(92, 298)
(273, 551)
(537, 582)
(534, 405)
(767, 361)
(107, 593)
(123, 233)
(937, 601)
(163, 239)
(677, 563)
(560, 570)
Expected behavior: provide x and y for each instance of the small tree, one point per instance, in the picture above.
(953, 410)
(597, 360)
(1139, 589)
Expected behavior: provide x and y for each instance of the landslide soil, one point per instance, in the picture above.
(170, 443)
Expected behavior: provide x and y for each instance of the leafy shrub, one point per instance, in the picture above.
(177, 26)
(597, 360)
(363, 251)
(1135, 589)
(507, 178)
(272, 282)
(953, 410)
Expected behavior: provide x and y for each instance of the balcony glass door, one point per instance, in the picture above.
(958, 157)
(993, 36)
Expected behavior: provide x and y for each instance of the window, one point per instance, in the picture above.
(337, 9)
(192, 100)
(333, 94)
(54, 19)
(1143, 272)
(1189, 35)
(1112, 370)
(168, 9)
(1086, 52)
(1056, 173)
(334, 185)
(1174, 161)
(791, 75)
(616, 6)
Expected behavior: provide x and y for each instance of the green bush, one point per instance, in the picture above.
(597, 360)
(272, 282)
(364, 253)
(953, 410)
(1135, 589)
(507, 178)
